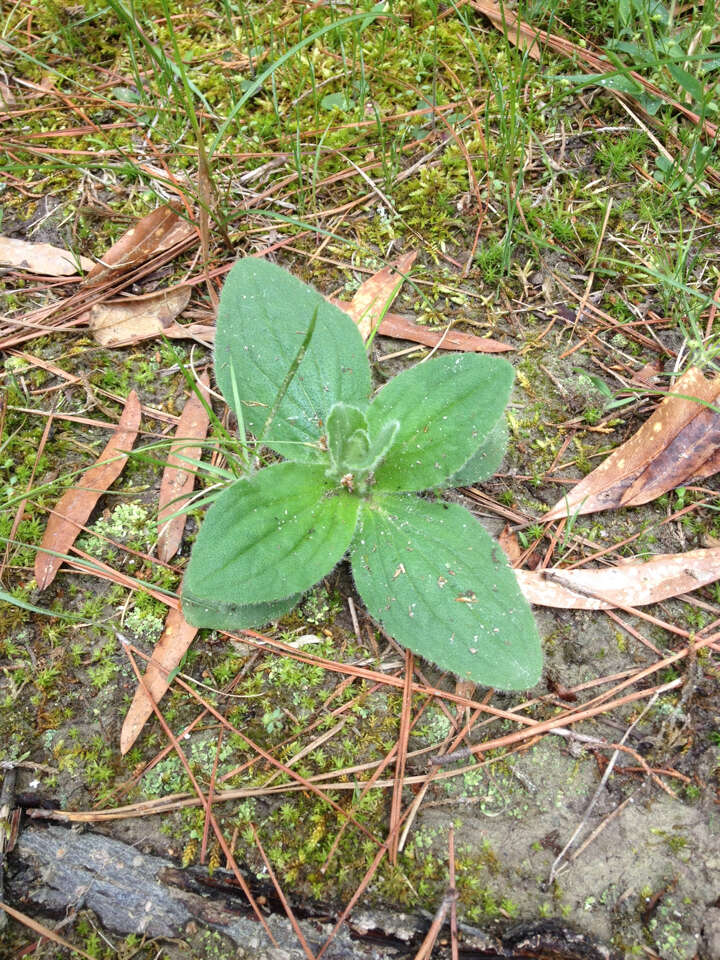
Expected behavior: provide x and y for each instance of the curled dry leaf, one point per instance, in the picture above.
(41, 258)
(169, 651)
(179, 477)
(631, 584)
(77, 503)
(376, 294)
(160, 230)
(124, 322)
(680, 441)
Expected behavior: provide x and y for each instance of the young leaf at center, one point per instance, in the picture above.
(438, 583)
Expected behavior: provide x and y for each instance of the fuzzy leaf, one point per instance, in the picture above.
(224, 615)
(263, 317)
(435, 580)
(347, 437)
(267, 538)
(446, 408)
(486, 460)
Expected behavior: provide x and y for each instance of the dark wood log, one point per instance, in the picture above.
(54, 868)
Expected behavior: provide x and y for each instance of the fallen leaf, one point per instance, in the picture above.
(158, 231)
(130, 320)
(631, 584)
(77, 503)
(169, 651)
(377, 293)
(42, 258)
(402, 329)
(179, 478)
(681, 440)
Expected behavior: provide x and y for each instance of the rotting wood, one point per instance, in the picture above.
(132, 891)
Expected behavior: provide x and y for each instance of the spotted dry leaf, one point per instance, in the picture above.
(680, 441)
(631, 584)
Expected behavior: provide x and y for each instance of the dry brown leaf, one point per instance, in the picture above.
(178, 477)
(402, 329)
(158, 231)
(127, 321)
(42, 258)
(681, 440)
(77, 503)
(169, 651)
(377, 293)
(631, 584)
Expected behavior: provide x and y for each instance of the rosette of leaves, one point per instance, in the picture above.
(294, 369)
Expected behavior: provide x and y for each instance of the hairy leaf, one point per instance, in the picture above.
(263, 318)
(486, 460)
(435, 580)
(446, 409)
(229, 616)
(267, 538)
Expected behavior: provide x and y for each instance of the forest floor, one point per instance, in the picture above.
(554, 169)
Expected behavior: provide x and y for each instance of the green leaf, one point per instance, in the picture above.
(232, 616)
(446, 408)
(434, 579)
(486, 460)
(268, 538)
(347, 437)
(688, 82)
(263, 318)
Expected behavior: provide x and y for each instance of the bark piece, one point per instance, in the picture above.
(77, 503)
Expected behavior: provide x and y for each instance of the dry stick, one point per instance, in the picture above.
(436, 926)
(453, 906)
(211, 791)
(201, 796)
(286, 906)
(555, 868)
(402, 749)
(44, 931)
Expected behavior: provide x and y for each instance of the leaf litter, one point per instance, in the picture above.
(178, 477)
(368, 308)
(126, 322)
(41, 258)
(160, 230)
(680, 441)
(76, 504)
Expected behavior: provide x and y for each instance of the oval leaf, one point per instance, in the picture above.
(435, 580)
(263, 318)
(266, 538)
(486, 460)
(446, 409)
